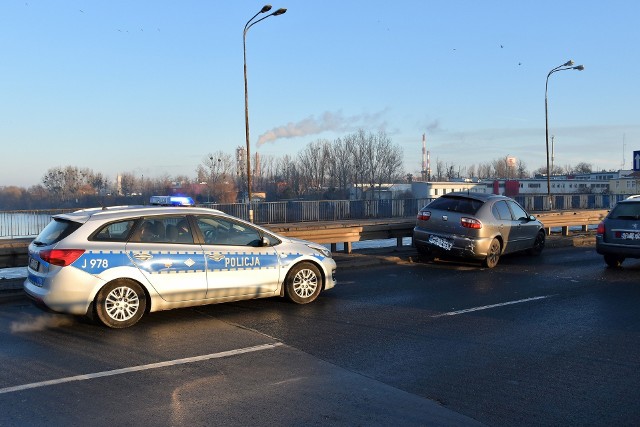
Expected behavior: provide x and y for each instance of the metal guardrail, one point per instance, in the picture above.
(19, 224)
(27, 223)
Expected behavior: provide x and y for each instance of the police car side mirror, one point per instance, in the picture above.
(265, 241)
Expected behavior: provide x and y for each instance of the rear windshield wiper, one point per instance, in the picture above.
(39, 243)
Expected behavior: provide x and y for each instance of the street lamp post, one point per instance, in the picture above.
(250, 23)
(566, 66)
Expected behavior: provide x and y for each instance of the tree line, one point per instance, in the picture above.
(323, 169)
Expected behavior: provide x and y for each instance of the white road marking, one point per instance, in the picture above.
(140, 368)
(486, 307)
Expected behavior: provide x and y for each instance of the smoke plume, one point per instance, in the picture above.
(328, 121)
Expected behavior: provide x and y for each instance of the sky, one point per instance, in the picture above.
(152, 87)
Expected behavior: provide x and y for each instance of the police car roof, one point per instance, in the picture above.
(115, 212)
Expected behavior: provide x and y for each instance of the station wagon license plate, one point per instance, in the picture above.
(445, 244)
(630, 235)
(34, 264)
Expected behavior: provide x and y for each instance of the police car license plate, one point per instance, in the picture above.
(445, 244)
(34, 264)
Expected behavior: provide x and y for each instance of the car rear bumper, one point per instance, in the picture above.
(627, 251)
(62, 299)
(461, 246)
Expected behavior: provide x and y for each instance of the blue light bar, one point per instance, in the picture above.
(171, 201)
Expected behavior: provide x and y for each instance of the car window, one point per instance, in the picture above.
(55, 231)
(169, 229)
(501, 210)
(518, 213)
(456, 204)
(626, 211)
(223, 231)
(114, 232)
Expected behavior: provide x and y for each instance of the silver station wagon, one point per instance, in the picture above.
(116, 264)
(476, 226)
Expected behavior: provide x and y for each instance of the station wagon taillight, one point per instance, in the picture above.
(61, 257)
(470, 223)
(424, 215)
(600, 229)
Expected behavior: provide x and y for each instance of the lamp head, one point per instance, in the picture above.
(569, 63)
(579, 67)
(265, 8)
(279, 11)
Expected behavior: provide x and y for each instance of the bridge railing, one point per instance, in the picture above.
(19, 224)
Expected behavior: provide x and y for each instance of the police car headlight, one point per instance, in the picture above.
(321, 250)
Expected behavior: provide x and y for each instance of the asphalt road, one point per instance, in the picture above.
(552, 340)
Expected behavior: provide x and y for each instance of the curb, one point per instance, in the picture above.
(11, 288)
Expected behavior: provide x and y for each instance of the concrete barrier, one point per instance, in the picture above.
(13, 253)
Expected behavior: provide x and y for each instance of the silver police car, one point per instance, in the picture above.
(115, 264)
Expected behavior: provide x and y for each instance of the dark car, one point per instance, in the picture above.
(618, 235)
(476, 226)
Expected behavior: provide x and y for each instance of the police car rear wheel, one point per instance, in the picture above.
(120, 304)
(303, 283)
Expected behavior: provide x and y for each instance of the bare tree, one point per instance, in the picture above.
(287, 178)
(583, 167)
(471, 171)
(439, 170)
(388, 161)
(450, 172)
(522, 169)
(500, 168)
(343, 163)
(357, 149)
(217, 171)
(313, 161)
(485, 170)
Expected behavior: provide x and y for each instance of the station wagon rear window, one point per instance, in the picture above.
(626, 211)
(55, 231)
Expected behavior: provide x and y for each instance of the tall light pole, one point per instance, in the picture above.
(250, 23)
(566, 66)
(552, 151)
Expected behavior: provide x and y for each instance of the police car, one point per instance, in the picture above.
(115, 264)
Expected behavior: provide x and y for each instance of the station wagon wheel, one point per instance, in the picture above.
(538, 244)
(303, 283)
(120, 304)
(613, 261)
(493, 255)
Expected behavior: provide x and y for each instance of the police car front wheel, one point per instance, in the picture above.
(303, 283)
(120, 304)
